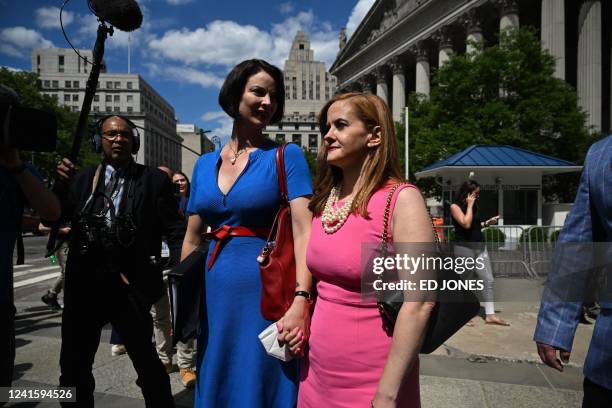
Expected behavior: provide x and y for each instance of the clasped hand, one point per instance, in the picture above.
(294, 326)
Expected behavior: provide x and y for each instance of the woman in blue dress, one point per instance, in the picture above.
(237, 186)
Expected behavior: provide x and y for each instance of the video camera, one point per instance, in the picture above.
(25, 128)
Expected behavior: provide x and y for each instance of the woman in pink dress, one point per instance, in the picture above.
(352, 361)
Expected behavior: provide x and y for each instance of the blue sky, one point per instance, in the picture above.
(184, 47)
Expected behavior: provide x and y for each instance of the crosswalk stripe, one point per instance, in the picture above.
(21, 266)
(36, 280)
(32, 260)
(46, 268)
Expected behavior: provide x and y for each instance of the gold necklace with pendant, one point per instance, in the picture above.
(235, 153)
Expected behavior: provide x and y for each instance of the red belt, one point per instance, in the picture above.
(225, 231)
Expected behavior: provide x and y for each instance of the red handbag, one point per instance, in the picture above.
(277, 259)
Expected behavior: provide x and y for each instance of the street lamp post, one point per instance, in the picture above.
(202, 136)
(216, 139)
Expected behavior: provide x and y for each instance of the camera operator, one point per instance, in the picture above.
(119, 211)
(18, 185)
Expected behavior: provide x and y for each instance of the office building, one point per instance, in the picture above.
(307, 87)
(63, 75)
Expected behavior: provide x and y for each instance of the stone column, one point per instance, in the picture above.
(474, 30)
(366, 84)
(382, 89)
(398, 88)
(445, 45)
(509, 17)
(553, 33)
(589, 62)
(422, 68)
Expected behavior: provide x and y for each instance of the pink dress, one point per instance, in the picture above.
(348, 346)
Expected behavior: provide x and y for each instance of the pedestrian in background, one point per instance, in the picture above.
(352, 360)
(60, 255)
(185, 351)
(184, 185)
(238, 187)
(470, 242)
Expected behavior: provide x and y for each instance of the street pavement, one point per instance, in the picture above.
(480, 366)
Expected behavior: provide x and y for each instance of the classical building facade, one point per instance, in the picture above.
(63, 75)
(399, 43)
(307, 87)
(195, 143)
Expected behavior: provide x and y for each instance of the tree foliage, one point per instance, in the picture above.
(27, 87)
(502, 95)
(311, 159)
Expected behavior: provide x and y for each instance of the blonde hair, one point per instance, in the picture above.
(381, 163)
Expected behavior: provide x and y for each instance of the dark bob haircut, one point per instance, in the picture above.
(233, 87)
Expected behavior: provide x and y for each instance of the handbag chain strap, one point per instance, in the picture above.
(385, 232)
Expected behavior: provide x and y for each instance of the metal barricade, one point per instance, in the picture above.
(507, 250)
(506, 247)
(541, 241)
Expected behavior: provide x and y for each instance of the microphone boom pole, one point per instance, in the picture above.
(90, 89)
(60, 188)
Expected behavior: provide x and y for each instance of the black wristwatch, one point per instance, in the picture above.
(18, 169)
(305, 294)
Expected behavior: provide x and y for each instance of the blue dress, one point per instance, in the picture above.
(233, 368)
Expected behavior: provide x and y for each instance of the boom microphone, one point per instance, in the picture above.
(124, 15)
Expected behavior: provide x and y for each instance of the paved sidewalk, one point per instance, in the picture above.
(481, 366)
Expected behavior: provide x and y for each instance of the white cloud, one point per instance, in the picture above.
(220, 123)
(286, 8)
(49, 17)
(359, 12)
(219, 43)
(184, 75)
(225, 43)
(208, 116)
(191, 75)
(19, 41)
(178, 2)
(12, 69)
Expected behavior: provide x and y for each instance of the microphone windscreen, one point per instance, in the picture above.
(125, 15)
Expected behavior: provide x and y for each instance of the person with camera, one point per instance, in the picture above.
(119, 211)
(19, 184)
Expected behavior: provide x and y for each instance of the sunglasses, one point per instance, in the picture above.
(112, 135)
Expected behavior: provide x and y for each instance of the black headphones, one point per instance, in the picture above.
(96, 139)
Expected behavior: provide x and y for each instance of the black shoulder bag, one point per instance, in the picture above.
(448, 316)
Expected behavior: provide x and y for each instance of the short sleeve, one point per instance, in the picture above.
(195, 180)
(299, 182)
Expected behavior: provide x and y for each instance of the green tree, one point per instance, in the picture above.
(311, 159)
(505, 95)
(27, 87)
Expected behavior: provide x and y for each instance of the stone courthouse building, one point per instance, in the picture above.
(399, 43)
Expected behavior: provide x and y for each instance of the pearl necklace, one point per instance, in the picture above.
(334, 218)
